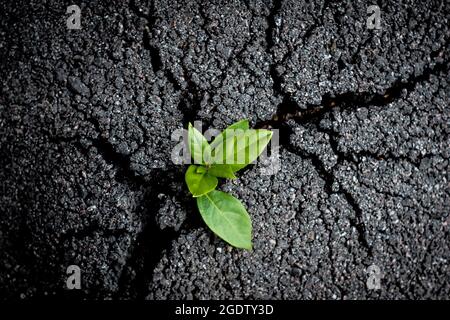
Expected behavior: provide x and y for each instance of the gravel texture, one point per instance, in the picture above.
(86, 118)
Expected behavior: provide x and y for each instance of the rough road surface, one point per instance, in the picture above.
(86, 118)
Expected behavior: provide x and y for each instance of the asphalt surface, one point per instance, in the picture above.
(86, 118)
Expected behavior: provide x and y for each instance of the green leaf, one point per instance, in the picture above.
(240, 148)
(243, 125)
(198, 146)
(199, 181)
(226, 217)
(221, 171)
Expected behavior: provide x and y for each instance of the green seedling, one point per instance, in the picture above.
(232, 150)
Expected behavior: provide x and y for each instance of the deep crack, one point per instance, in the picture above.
(289, 109)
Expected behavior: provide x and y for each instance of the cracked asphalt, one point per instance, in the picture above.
(86, 118)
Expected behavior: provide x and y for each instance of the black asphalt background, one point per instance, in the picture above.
(85, 125)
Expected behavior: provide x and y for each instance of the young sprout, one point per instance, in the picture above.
(232, 150)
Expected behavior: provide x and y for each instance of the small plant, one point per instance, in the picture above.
(232, 150)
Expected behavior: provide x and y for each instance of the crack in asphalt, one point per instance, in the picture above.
(329, 180)
(151, 242)
(147, 249)
(155, 58)
(289, 109)
(190, 105)
(91, 230)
